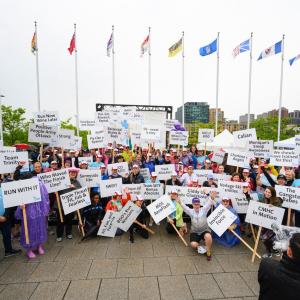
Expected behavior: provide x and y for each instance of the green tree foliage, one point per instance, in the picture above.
(15, 125)
(193, 130)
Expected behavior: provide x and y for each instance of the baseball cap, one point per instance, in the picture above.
(118, 193)
(195, 200)
(210, 176)
(190, 167)
(53, 162)
(135, 166)
(174, 191)
(102, 166)
(84, 162)
(153, 174)
(281, 176)
(114, 168)
(174, 173)
(139, 197)
(245, 171)
(72, 169)
(225, 198)
(208, 161)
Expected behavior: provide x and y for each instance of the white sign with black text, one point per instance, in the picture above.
(55, 180)
(46, 117)
(289, 195)
(89, 178)
(110, 186)
(205, 135)
(127, 215)
(108, 226)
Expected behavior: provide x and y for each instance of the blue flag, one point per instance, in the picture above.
(272, 50)
(292, 60)
(209, 49)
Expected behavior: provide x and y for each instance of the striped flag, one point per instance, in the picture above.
(292, 60)
(242, 47)
(110, 44)
(34, 44)
(145, 45)
(176, 48)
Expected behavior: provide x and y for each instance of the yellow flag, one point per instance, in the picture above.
(177, 47)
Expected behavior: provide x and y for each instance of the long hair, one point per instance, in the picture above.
(274, 200)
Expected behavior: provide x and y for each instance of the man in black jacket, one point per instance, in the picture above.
(281, 279)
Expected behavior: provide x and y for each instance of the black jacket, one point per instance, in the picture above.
(177, 182)
(138, 178)
(279, 279)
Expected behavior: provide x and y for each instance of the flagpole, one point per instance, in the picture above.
(113, 65)
(76, 83)
(250, 81)
(183, 78)
(280, 91)
(37, 69)
(217, 87)
(149, 69)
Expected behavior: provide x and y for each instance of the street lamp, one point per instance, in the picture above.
(1, 125)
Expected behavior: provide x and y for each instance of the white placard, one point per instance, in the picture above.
(122, 168)
(136, 138)
(260, 148)
(110, 186)
(231, 186)
(153, 191)
(75, 143)
(239, 202)
(41, 133)
(102, 118)
(64, 138)
(289, 195)
(87, 124)
(297, 144)
(169, 124)
(238, 159)
(108, 226)
(284, 158)
(20, 192)
(205, 135)
(96, 141)
(7, 149)
(161, 208)
(88, 159)
(9, 162)
(218, 157)
(202, 175)
(89, 178)
(224, 177)
(264, 215)
(145, 173)
(150, 133)
(115, 134)
(46, 117)
(127, 215)
(55, 180)
(220, 219)
(179, 138)
(75, 200)
(164, 172)
(242, 136)
(134, 189)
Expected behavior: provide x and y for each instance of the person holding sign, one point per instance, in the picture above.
(199, 227)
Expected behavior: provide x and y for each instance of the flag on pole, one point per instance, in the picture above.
(110, 44)
(209, 49)
(242, 47)
(292, 60)
(34, 44)
(275, 49)
(145, 46)
(72, 44)
(176, 48)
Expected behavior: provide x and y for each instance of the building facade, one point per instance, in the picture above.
(193, 112)
(295, 117)
(212, 115)
(274, 113)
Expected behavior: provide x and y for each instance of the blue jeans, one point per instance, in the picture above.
(6, 233)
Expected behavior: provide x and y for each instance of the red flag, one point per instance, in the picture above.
(72, 44)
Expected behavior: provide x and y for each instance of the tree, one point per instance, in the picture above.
(15, 125)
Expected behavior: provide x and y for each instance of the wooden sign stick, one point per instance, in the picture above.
(41, 153)
(205, 149)
(144, 226)
(59, 207)
(256, 243)
(62, 158)
(175, 228)
(25, 225)
(80, 222)
(237, 169)
(253, 231)
(289, 217)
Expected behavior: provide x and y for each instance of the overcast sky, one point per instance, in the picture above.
(201, 20)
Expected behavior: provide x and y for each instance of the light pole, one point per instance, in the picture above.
(1, 125)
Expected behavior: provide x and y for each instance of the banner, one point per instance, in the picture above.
(202, 175)
(9, 162)
(205, 135)
(96, 141)
(242, 136)
(108, 227)
(153, 191)
(238, 159)
(218, 157)
(55, 180)
(122, 168)
(179, 138)
(46, 117)
(264, 215)
(289, 195)
(260, 148)
(220, 219)
(127, 215)
(75, 200)
(20, 192)
(64, 138)
(231, 186)
(164, 172)
(7, 149)
(150, 133)
(284, 158)
(89, 178)
(43, 134)
(110, 186)
(87, 124)
(239, 202)
(134, 190)
(161, 208)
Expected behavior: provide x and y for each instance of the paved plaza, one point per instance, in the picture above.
(103, 268)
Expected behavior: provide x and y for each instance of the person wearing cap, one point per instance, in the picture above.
(228, 239)
(246, 178)
(173, 180)
(167, 159)
(149, 163)
(114, 173)
(136, 161)
(67, 163)
(152, 179)
(185, 158)
(199, 227)
(200, 157)
(207, 165)
(95, 165)
(54, 165)
(187, 177)
(210, 181)
(126, 153)
(66, 225)
(159, 159)
(117, 202)
(194, 182)
(135, 176)
(83, 165)
(135, 228)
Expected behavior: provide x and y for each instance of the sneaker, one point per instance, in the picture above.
(267, 255)
(69, 236)
(13, 252)
(41, 250)
(202, 250)
(59, 239)
(31, 254)
(208, 255)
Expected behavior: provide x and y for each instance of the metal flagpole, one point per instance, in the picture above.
(250, 81)
(113, 65)
(183, 78)
(76, 83)
(149, 69)
(217, 87)
(37, 69)
(280, 91)
(1, 123)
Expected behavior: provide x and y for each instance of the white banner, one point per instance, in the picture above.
(9, 162)
(134, 190)
(75, 200)
(87, 124)
(46, 117)
(122, 168)
(127, 215)
(231, 186)
(238, 159)
(161, 208)
(179, 138)
(108, 226)
(110, 186)
(151, 133)
(289, 195)
(164, 172)
(96, 141)
(242, 136)
(239, 202)
(153, 191)
(43, 134)
(56, 180)
(218, 157)
(220, 219)
(260, 148)
(264, 215)
(205, 135)
(20, 192)
(284, 158)
(89, 178)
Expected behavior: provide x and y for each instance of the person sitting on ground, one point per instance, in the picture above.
(117, 202)
(281, 279)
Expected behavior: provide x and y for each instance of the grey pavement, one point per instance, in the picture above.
(104, 268)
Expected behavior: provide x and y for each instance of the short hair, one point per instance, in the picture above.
(295, 246)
